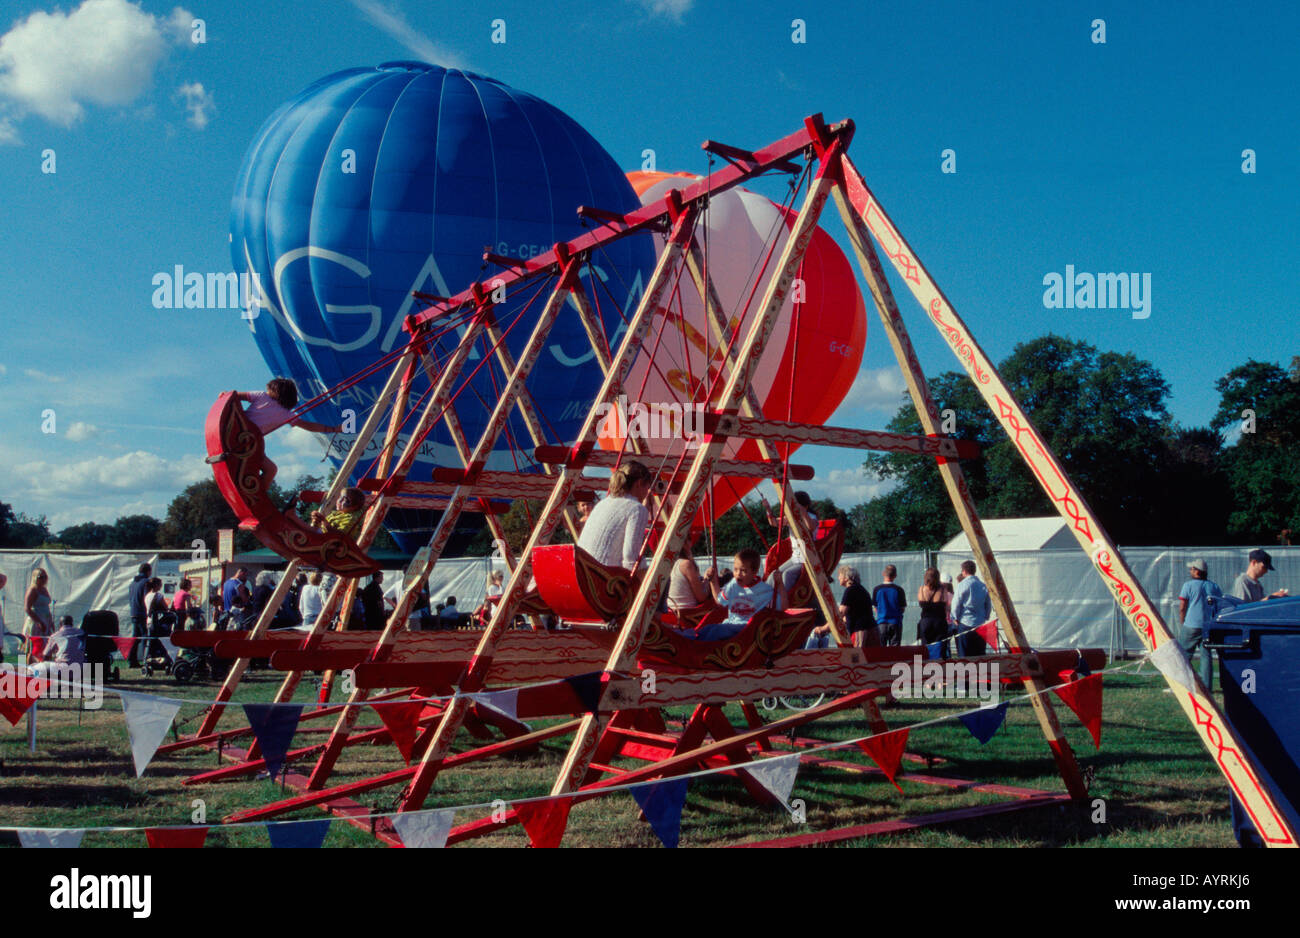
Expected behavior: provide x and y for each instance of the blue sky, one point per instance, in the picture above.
(1122, 156)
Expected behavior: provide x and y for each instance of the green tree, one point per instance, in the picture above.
(197, 513)
(87, 536)
(26, 532)
(1262, 400)
(1103, 414)
(134, 532)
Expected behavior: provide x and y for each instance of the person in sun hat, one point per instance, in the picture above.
(1194, 614)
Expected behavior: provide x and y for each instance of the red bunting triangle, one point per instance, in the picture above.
(15, 699)
(176, 836)
(400, 719)
(38, 646)
(123, 643)
(989, 632)
(545, 821)
(886, 750)
(1084, 698)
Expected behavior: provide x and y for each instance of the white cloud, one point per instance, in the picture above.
(874, 389)
(393, 22)
(3, 371)
(198, 102)
(42, 376)
(79, 432)
(669, 9)
(104, 53)
(132, 473)
(849, 487)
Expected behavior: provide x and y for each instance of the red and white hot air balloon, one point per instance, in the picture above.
(814, 351)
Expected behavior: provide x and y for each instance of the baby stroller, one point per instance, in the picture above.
(160, 655)
(194, 663)
(101, 627)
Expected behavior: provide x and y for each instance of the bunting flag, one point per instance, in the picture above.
(148, 719)
(934, 650)
(18, 691)
(401, 719)
(187, 837)
(588, 687)
(1084, 698)
(50, 837)
(1081, 667)
(985, 722)
(274, 726)
(38, 646)
(424, 829)
(545, 821)
(124, 644)
(299, 835)
(989, 632)
(1172, 663)
(886, 750)
(776, 775)
(662, 804)
(502, 701)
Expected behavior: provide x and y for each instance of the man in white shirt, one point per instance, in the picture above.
(1248, 587)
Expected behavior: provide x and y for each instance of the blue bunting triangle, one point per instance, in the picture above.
(274, 726)
(662, 803)
(300, 835)
(934, 650)
(588, 687)
(984, 722)
(1081, 667)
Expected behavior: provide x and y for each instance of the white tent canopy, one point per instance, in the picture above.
(1020, 534)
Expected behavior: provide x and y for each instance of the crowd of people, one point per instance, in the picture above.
(614, 532)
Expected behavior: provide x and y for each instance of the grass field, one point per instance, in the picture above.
(1159, 786)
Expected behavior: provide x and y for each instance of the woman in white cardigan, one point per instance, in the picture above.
(616, 529)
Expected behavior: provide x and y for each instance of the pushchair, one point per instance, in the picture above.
(101, 627)
(202, 663)
(160, 655)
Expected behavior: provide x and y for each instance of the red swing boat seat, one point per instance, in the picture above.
(770, 634)
(578, 588)
(828, 540)
(236, 452)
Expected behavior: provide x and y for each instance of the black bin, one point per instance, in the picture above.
(1259, 665)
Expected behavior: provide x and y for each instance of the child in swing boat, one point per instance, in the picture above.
(346, 517)
(743, 596)
(271, 409)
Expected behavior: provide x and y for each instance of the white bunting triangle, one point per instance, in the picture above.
(50, 837)
(147, 721)
(424, 829)
(502, 701)
(776, 775)
(1172, 663)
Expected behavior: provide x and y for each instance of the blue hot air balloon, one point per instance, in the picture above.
(376, 182)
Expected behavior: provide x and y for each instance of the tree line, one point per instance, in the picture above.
(1104, 414)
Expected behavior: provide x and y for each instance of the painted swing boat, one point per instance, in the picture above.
(615, 714)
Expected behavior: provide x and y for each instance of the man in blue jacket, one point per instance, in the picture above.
(139, 626)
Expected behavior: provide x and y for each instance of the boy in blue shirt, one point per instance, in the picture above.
(890, 601)
(743, 596)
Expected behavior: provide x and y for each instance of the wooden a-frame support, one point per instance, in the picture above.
(865, 220)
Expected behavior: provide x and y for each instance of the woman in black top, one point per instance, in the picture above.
(934, 609)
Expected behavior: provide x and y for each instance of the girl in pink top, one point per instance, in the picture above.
(271, 409)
